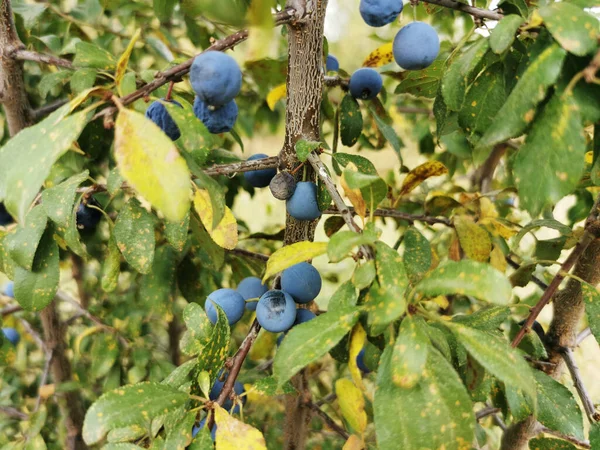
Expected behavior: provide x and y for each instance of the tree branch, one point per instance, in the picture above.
(13, 413)
(564, 437)
(243, 166)
(43, 111)
(388, 212)
(586, 400)
(26, 55)
(329, 421)
(535, 279)
(583, 336)
(249, 254)
(475, 12)
(7, 311)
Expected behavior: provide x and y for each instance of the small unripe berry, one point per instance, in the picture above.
(282, 185)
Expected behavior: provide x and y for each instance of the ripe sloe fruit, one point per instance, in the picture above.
(416, 46)
(332, 64)
(303, 315)
(282, 185)
(259, 178)
(158, 113)
(197, 428)
(378, 13)
(365, 83)
(9, 289)
(5, 217)
(216, 78)
(230, 301)
(88, 218)
(251, 287)
(302, 281)
(302, 205)
(360, 362)
(12, 335)
(227, 404)
(276, 311)
(216, 120)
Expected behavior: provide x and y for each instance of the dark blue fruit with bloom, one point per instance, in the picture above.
(158, 113)
(302, 281)
(303, 205)
(88, 218)
(360, 362)
(378, 13)
(216, 119)
(5, 217)
(416, 46)
(276, 311)
(365, 84)
(197, 428)
(332, 64)
(230, 301)
(251, 287)
(216, 78)
(9, 289)
(227, 404)
(303, 315)
(259, 178)
(12, 335)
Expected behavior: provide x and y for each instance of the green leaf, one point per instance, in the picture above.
(82, 80)
(436, 413)
(503, 34)
(92, 55)
(309, 341)
(268, 386)
(58, 200)
(591, 298)
(26, 159)
(323, 196)
(351, 121)
(157, 287)
(23, 243)
(181, 434)
(364, 274)
(345, 296)
(423, 83)
(519, 109)
(488, 318)
(129, 405)
(51, 80)
(149, 161)
(385, 300)
(111, 266)
(594, 434)
(104, 353)
(557, 408)
(563, 229)
(36, 288)
(467, 278)
(456, 77)
(387, 131)
(497, 357)
(557, 138)
(410, 352)
(342, 243)
(417, 254)
(134, 234)
(551, 444)
(70, 231)
(519, 404)
(574, 29)
(292, 254)
(198, 329)
(30, 12)
(305, 148)
(163, 10)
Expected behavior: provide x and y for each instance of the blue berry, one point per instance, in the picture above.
(365, 83)
(259, 178)
(197, 428)
(158, 113)
(5, 217)
(9, 289)
(230, 301)
(88, 218)
(332, 65)
(416, 46)
(228, 403)
(216, 119)
(251, 287)
(303, 315)
(360, 362)
(276, 311)
(12, 335)
(216, 78)
(302, 281)
(303, 205)
(378, 13)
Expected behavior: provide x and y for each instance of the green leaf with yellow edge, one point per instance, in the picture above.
(124, 60)
(591, 298)
(24, 241)
(503, 34)
(357, 343)
(351, 121)
(436, 413)
(293, 254)
(134, 235)
(385, 300)
(352, 405)
(410, 352)
(557, 138)
(198, 329)
(466, 278)
(135, 404)
(149, 161)
(573, 28)
(233, 434)
(225, 234)
(421, 173)
(309, 341)
(519, 109)
(417, 254)
(111, 266)
(88, 54)
(277, 93)
(36, 288)
(58, 200)
(474, 239)
(380, 56)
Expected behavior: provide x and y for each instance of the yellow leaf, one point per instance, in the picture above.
(487, 208)
(474, 239)
(263, 346)
(293, 254)
(354, 195)
(124, 60)
(419, 174)
(497, 259)
(47, 390)
(498, 228)
(276, 94)
(233, 434)
(81, 336)
(225, 234)
(441, 301)
(149, 161)
(380, 56)
(354, 443)
(589, 157)
(357, 342)
(352, 404)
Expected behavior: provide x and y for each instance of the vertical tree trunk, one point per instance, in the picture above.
(304, 95)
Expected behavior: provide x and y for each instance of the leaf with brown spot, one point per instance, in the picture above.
(354, 195)
(380, 56)
(474, 239)
(421, 173)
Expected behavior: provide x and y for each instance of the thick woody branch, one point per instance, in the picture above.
(243, 166)
(249, 254)
(475, 12)
(385, 212)
(27, 55)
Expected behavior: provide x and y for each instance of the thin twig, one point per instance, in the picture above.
(35, 335)
(475, 12)
(43, 111)
(485, 412)
(388, 212)
(243, 166)
(583, 336)
(7, 311)
(586, 400)
(329, 421)
(27, 55)
(44, 378)
(13, 413)
(535, 279)
(327, 399)
(249, 254)
(564, 437)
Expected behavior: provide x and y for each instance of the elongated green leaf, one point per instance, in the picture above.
(548, 223)
(436, 413)
(410, 352)
(268, 386)
(557, 138)
(198, 329)
(574, 29)
(423, 83)
(129, 405)
(467, 278)
(177, 232)
(387, 131)
(519, 109)
(345, 296)
(149, 161)
(58, 200)
(551, 444)
(309, 341)
(342, 242)
(23, 243)
(591, 297)
(134, 234)
(163, 9)
(417, 254)
(104, 353)
(157, 287)
(503, 34)
(351, 121)
(181, 434)
(520, 405)
(92, 55)
(111, 266)
(488, 318)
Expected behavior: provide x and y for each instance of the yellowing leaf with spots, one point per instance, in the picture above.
(124, 60)
(573, 28)
(58, 200)
(435, 414)
(354, 195)
(474, 239)
(276, 94)
(293, 254)
(135, 404)
(421, 173)
(465, 277)
(410, 352)
(498, 227)
(149, 161)
(225, 234)
(233, 434)
(380, 56)
(352, 405)
(354, 443)
(357, 342)
(309, 341)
